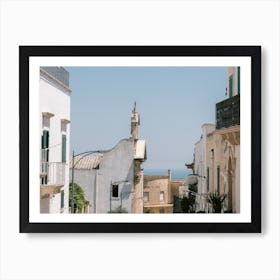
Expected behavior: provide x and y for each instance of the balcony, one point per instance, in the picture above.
(228, 112)
(52, 175)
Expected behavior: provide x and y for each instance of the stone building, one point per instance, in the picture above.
(157, 194)
(178, 191)
(113, 179)
(217, 154)
(55, 133)
(200, 167)
(223, 165)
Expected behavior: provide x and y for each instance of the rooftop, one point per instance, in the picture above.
(88, 162)
(59, 73)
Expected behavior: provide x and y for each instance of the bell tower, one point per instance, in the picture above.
(135, 122)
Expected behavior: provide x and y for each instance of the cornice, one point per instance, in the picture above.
(49, 78)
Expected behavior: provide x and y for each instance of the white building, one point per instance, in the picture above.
(55, 131)
(233, 83)
(113, 179)
(200, 167)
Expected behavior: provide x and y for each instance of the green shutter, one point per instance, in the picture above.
(62, 199)
(45, 144)
(238, 79)
(63, 148)
(45, 139)
(230, 86)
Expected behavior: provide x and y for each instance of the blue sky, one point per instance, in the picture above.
(173, 103)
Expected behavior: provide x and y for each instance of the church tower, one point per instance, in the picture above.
(139, 158)
(135, 122)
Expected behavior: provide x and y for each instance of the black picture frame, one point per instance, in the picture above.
(254, 52)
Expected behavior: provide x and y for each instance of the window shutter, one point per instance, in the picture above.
(63, 148)
(45, 139)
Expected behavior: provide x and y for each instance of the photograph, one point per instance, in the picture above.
(94, 155)
(141, 130)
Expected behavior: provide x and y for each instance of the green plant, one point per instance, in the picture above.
(188, 203)
(216, 200)
(79, 198)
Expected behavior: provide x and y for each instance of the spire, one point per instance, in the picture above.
(135, 122)
(134, 108)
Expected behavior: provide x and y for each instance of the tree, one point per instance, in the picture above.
(188, 203)
(79, 198)
(216, 200)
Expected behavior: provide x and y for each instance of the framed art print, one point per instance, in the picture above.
(140, 139)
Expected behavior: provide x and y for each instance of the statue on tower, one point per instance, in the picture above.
(135, 122)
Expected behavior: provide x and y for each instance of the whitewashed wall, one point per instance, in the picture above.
(57, 102)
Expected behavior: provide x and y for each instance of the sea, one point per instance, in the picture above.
(175, 173)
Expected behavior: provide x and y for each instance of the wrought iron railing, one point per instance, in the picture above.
(228, 112)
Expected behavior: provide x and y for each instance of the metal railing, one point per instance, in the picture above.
(228, 112)
(52, 173)
(58, 73)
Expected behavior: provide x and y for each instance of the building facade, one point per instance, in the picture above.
(157, 196)
(217, 154)
(54, 107)
(178, 191)
(113, 180)
(201, 169)
(223, 164)
(233, 82)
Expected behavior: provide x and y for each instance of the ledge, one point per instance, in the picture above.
(48, 190)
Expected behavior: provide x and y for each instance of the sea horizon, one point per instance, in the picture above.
(175, 173)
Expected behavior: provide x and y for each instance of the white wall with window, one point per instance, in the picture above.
(55, 148)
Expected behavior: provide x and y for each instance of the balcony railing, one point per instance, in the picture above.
(228, 112)
(52, 173)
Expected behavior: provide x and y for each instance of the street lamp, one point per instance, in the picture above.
(84, 154)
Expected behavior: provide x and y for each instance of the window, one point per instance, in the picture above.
(207, 179)
(115, 190)
(146, 196)
(44, 156)
(161, 210)
(230, 85)
(212, 153)
(45, 139)
(62, 199)
(218, 179)
(63, 148)
(161, 196)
